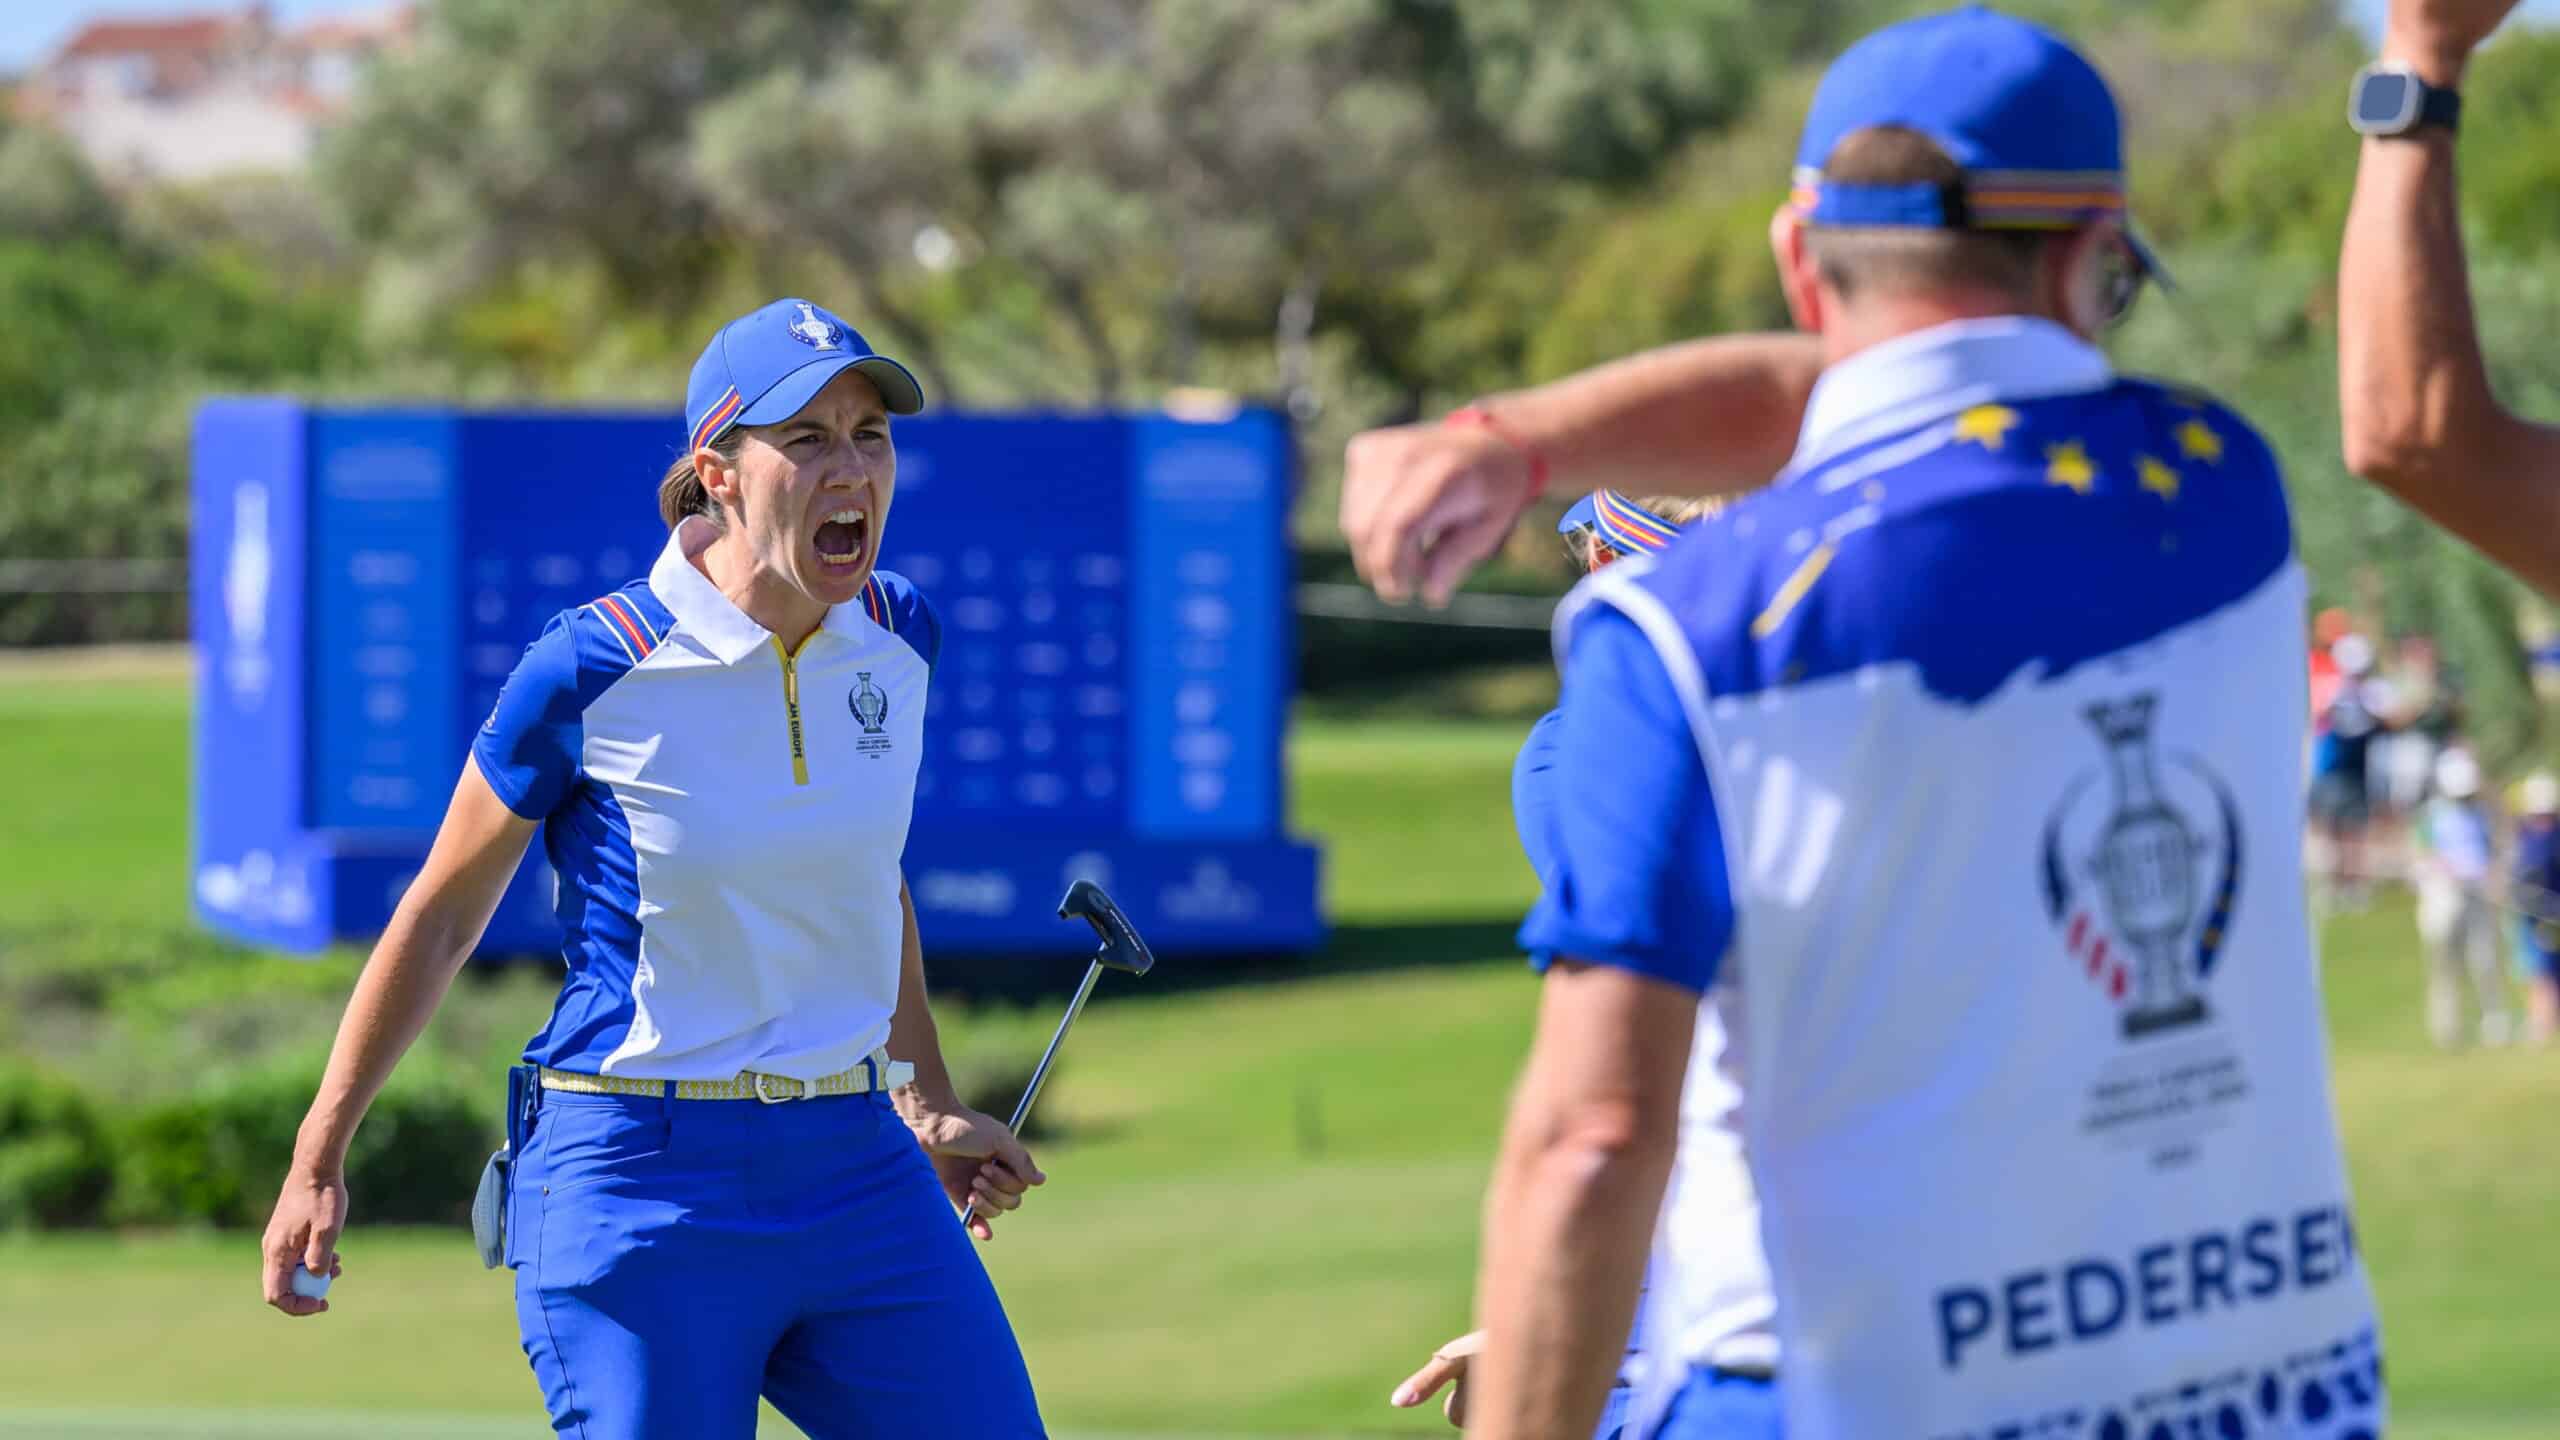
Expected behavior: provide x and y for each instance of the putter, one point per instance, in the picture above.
(1121, 949)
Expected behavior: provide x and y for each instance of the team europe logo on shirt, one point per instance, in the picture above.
(869, 702)
(870, 705)
(2140, 873)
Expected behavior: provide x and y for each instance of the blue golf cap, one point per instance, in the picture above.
(2028, 120)
(764, 366)
(1622, 524)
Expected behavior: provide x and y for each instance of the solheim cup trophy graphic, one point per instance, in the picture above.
(2146, 871)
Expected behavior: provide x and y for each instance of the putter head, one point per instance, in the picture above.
(1121, 948)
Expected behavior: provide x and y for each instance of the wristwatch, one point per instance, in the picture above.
(2388, 101)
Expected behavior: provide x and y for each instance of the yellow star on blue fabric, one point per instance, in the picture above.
(2199, 441)
(2068, 464)
(1986, 425)
(2158, 478)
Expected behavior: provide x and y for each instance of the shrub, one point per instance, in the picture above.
(217, 1156)
(991, 1053)
(55, 1167)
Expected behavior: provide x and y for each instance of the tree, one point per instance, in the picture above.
(514, 136)
(48, 192)
(1164, 177)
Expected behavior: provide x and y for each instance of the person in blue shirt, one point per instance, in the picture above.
(1599, 529)
(734, 1151)
(2358, 716)
(2535, 879)
(2452, 872)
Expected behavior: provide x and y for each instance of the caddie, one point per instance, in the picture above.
(1959, 772)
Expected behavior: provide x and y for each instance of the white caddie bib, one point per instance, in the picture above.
(2032, 1055)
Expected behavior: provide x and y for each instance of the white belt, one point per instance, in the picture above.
(879, 1072)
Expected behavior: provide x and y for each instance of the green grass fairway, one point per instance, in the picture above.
(100, 772)
(1263, 1207)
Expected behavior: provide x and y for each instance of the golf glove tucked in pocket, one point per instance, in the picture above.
(489, 1202)
(489, 1211)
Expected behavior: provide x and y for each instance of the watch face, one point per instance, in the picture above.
(2386, 101)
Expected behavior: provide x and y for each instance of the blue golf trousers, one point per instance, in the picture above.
(1719, 1405)
(675, 1259)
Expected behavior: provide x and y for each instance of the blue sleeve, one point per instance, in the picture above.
(1639, 874)
(1533, 795)
(2535, 850)
(528, 750)
(912, 617)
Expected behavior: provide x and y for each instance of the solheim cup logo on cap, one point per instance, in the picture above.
(816, 331)
(870, 705)
(2140, 869)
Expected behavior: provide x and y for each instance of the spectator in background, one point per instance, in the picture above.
(2456, 921)
(2536, 893)
(2430, 690)
(2427, 716)
(2342, 771)
(2327, 628)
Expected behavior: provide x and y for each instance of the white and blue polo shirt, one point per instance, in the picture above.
(1960, 773)
(1534, 806)
(725, 819)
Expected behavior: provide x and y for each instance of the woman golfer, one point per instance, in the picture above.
(1601, 529)
(721, 1185)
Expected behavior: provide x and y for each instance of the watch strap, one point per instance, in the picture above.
(2438, 106)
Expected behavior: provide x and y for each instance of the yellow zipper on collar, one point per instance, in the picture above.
(791, 705)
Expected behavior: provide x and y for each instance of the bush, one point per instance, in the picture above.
(1339, 657)
(195, 1066)
(419, 1153)
(216, 1157)
(55, 1167)
(991, 1052)
(127, 443)
(992, 1082)
(52, 1181)
(106, 352)
(182, 1160)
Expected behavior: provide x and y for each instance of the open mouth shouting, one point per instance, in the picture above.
(844, 539)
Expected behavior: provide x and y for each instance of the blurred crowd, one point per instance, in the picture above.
(2397, 794)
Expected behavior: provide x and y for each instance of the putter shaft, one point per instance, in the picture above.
(1040, 1072)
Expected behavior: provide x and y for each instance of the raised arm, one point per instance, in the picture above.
(431, 934)
(1424, 504)
(2417, 414)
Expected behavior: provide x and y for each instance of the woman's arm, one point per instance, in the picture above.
(912, 1034)
(976, 1156)
(431, 933)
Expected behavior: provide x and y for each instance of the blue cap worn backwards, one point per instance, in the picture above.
(1622, 524)
(763, 367)
(2031, 124)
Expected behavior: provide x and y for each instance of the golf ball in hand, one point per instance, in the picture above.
(308, 1285)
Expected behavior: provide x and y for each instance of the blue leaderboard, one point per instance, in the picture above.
(1110, 703)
